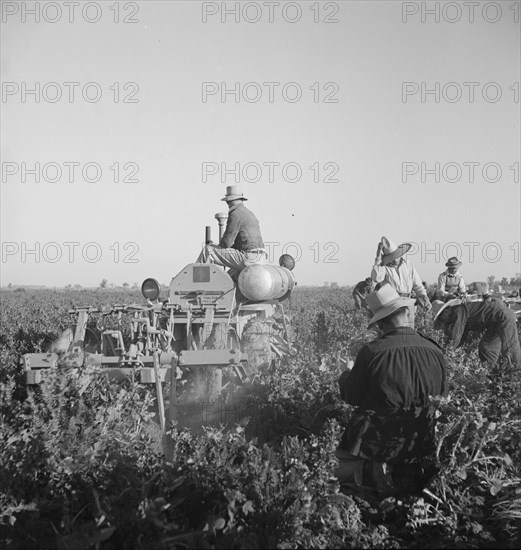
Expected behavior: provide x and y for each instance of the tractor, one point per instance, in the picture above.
(208, 338)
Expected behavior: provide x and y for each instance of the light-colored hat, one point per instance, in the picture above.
(440, 310)
(234, 192)
(436, 306)
(385, 301)
(391, 251)
(453, 262)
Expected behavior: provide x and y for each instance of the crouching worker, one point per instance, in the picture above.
(492, 317)
(361, 290)
(389, 442)
(241, 243)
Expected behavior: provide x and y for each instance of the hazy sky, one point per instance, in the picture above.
(379, 97)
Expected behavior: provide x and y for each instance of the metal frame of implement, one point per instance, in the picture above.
(155, 362)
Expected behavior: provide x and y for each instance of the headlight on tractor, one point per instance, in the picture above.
(150, 289)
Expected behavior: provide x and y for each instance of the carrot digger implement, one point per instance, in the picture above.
(207, 338)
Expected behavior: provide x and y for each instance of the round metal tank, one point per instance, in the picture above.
(265, 282)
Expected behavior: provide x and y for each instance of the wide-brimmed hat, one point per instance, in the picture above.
(391, 251)
(385, 301)
(439, 310)
(436, 306)
(234, 192)
(453, 262)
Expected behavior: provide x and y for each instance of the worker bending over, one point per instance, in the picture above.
(492, 317)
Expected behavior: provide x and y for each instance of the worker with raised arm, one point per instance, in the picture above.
(241, 244)
(390, 266)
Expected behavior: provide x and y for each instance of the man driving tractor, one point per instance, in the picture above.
(241, 244)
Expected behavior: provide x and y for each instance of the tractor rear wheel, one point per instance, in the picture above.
(255, 342)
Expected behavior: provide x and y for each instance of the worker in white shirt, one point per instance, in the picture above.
(390, 266)
(450, 282)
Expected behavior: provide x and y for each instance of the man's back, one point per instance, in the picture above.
(484, 313)
(242, 230)
(479, 316)
(399, 370)
(391, 382)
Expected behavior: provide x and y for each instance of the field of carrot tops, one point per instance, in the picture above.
(82, 463)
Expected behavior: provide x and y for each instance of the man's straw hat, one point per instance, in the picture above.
(391, 251)
(439, 310)
(453, 262)
(385, 301)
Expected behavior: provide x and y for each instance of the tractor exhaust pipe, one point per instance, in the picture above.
(221, 220)
(208, 235)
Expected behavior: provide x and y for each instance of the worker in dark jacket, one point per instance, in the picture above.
(361, 290)
(492, 316)
(241, 243)
(390, 383)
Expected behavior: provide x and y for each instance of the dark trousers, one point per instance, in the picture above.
(359, 301)
(502, 338)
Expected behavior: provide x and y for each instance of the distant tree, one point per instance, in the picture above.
(491, 279)
(68, 287)
(10, 286)
(125, 286)
(77, 286)
(504, 282)
(326, 284)
(333, 285)
(111, 285)
(135, 286)
(103, 283)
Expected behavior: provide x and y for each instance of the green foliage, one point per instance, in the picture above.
(82, 462)
(76, 437)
